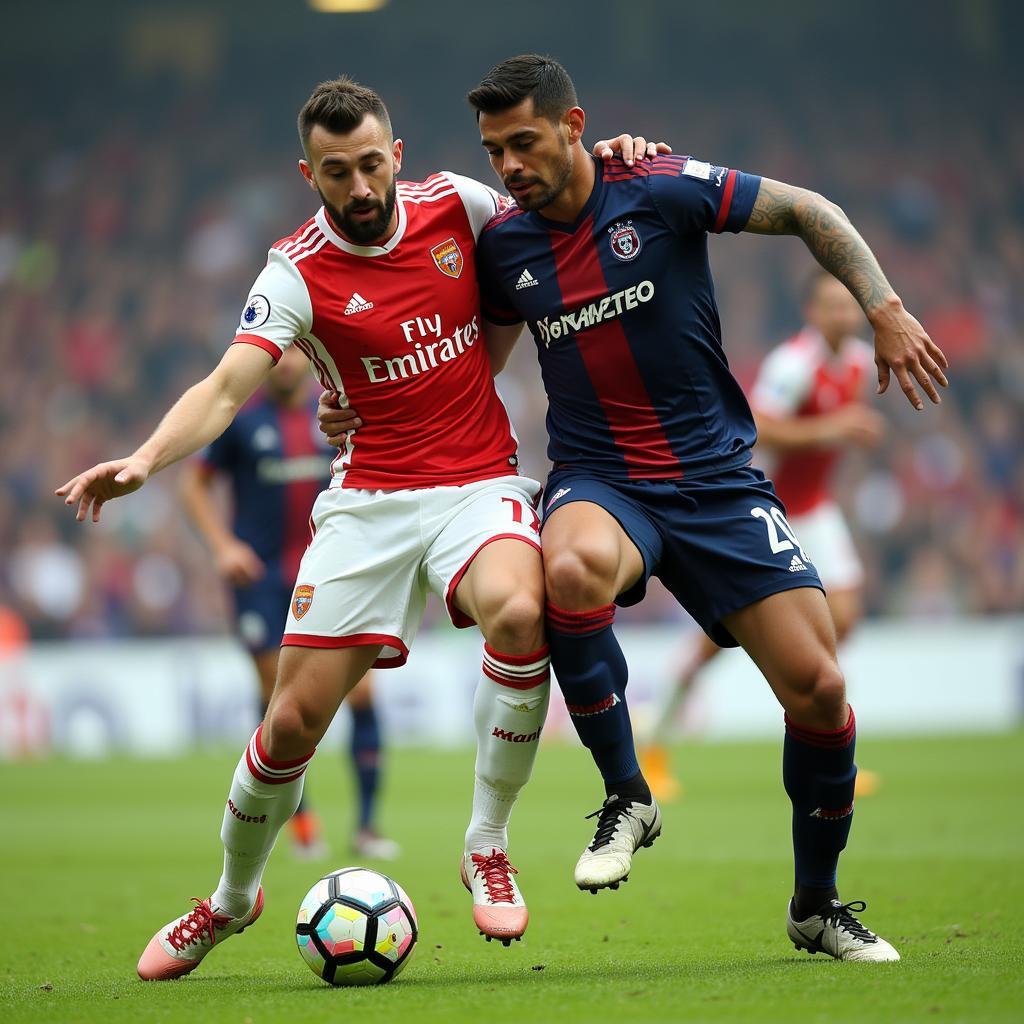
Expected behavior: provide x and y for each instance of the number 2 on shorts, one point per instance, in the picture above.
(774, 521)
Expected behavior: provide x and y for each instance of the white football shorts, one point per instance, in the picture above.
(375, 555)
(826, 538)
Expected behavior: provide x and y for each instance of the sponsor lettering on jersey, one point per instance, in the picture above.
(593, 313)
(448, 257)
(426, 355)
(625, 241)
(302, 600)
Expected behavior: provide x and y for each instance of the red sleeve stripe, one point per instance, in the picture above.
(726, 204)
(255, 339)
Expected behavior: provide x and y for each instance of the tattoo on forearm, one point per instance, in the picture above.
(826, 231)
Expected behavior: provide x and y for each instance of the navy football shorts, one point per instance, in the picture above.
(261, 611)
(718, 543)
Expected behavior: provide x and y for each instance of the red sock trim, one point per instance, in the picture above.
(579, 623)
(519, 671)
(266, 769)
(829, 739)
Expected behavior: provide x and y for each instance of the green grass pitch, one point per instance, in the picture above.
(95, 856)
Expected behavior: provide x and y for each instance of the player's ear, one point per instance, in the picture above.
(307, 172)
(396, 154)
(575, 120)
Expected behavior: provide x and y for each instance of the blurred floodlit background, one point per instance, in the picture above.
(148, 162)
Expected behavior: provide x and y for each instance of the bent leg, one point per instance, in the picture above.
(588, 561)
(503, 592)
(267, 783)
(790, 637)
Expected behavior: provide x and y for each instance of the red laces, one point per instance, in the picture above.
(495, 871)
(201, 921)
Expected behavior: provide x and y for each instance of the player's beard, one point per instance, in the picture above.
(545, 193)
(363, 232)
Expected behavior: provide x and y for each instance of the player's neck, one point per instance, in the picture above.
(571, 200)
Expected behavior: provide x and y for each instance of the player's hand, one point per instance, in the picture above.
(98, 485)
(630, 147)
(859, 425)
(902, 346)
(239, 564)
(335, 422)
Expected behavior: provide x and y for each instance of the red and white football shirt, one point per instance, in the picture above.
(395, 329)
(804, 377)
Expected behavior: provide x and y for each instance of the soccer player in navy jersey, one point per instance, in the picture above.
(277, 464)
(650, 437)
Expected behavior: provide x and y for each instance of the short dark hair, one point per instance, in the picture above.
(531, 75)
(340, 106)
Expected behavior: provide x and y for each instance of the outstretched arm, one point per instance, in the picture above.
(902, 345)
(200, 415)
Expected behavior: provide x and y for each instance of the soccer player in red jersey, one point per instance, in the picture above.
(378, 290)
(809, 405)
(650, 436)
(276, 466)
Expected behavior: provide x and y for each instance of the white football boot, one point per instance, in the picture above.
(499, 910)
(837, 932)
(178, 947)
(623, 826)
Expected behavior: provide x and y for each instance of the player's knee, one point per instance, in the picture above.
(514, 623)
(580, 578)
(290, 730)
(821, 701)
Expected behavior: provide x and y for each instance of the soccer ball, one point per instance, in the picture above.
(356, 927)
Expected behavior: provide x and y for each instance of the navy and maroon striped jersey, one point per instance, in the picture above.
(622, 307)
(276, 462)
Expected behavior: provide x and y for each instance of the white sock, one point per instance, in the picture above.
(263, 796)
(509, 709)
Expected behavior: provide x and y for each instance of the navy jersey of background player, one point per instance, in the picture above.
(622, 308)
(277, 463)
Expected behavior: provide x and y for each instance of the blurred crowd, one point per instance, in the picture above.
(128, 246)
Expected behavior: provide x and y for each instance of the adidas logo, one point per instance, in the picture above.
(357, 304)
(526, 280)
(796, 565)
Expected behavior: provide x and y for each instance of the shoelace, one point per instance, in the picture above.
(841, 915)
(496, 873)
(610, 811)
(200, 921)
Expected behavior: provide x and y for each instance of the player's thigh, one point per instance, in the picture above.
(503, 592)
(589, 557)
(361, 695)
(790, 637)
(311, 684)
(484, 548)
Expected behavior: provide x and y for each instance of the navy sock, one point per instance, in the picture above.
(365, 747)
(819, 775)
(591, 672)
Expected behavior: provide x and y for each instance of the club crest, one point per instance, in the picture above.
(625, 241)
(302, 600)
(448, 257)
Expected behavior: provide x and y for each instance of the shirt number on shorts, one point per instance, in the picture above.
(518, 508)
(774, 521)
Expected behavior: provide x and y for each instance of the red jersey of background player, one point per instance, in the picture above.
(405, 349)
(804, 377)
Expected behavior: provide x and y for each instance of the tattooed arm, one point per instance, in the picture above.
(902, 345)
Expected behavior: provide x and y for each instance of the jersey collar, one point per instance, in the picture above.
(324, 223)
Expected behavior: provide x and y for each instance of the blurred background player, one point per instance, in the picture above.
(276, 463)
(809, 405)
